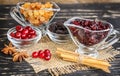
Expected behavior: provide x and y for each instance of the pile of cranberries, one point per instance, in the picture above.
(23, 32)
(42, 54)
(88, 36)
(91, 25)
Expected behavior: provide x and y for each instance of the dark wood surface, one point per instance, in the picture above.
(108, 12)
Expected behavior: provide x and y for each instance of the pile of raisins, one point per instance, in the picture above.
(58, 27)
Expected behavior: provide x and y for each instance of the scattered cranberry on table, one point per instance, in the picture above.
(23, 32)
(46, 54)
(35, 54)
(41, 54)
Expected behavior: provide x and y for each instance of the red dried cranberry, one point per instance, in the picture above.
(35, 54)
(76, 22)
(92, 40)
(41, 54)
(72, 28)
(46, 51)
(28, 27)
(94, 27)
(47, 57)
(83, 23)
(19, 28)
(47, 54)
(12, 34)
(87, 23)
(33, 36)
(40, 51)
(107, 26)
(32, 32)
(24, 36)
(29, 36)
(75, 32)
(18, 35)
(25, 31)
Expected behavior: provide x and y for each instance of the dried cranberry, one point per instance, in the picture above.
(72, 28)
(107, 26)
(94, 27)
(29, 36)
(19, 28)
(25, 31)
(24, 36)
(47, 57)
(83, 23)
(35, 54)
(75, 32)
(87, 23)
(18, 35)
(28, 27)
(46, 51)
(76, 22)
(32, 32)
(33, 36)
(92, 39)
(12, 34)
(41, 54)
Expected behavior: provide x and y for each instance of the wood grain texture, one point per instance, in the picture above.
(109, 12)
(63, 1)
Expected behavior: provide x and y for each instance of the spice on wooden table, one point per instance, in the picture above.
(82, 59)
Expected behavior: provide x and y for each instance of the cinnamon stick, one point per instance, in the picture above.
(66, 51)
(86, 60)
(70, 57)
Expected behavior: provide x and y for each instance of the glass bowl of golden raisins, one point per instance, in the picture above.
(36, 14)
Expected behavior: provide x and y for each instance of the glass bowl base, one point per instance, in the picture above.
(87, 52)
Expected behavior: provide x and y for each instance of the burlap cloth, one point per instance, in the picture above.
(56, 66)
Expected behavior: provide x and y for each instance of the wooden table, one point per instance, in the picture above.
(108, 12)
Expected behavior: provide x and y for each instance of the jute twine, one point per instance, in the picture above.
(55, 65)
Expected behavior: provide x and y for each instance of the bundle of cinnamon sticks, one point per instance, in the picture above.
(82, 59)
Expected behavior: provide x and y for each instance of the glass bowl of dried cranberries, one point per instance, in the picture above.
(37, 14)
(57, 32)
(24, 36)
(91, 35)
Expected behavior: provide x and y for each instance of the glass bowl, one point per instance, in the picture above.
(35, 14)
(55, 37)
(91, 35)
(21, 43)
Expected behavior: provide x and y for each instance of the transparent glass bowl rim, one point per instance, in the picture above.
(67, 23)
(50, 9)
(48, 31)
(39, 34)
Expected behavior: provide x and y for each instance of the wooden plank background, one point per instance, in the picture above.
(107, 12)
(61, 1)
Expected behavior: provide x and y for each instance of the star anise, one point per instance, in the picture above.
(19, 56)
(9, 49)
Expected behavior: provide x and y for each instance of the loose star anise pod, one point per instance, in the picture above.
(9, 49)
(19, 56)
